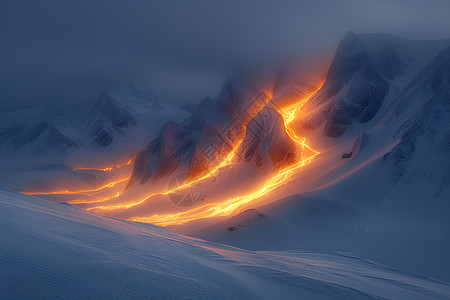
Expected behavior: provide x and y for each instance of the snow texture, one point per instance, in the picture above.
(52, 250)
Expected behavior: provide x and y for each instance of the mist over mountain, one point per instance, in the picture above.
(69, 52)
(280, 161)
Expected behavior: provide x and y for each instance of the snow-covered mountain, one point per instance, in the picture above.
(425, 131)
(380, 186)
(116, 111)
(245, 111)
(115, 128)
(37, 130)
(215, 127)
(116, 115)
(367, 71)
(377, 185)
(50, 250)
(266, 142)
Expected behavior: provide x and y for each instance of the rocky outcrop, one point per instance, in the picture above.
(356, 85)
(266, 143)
(214, 130)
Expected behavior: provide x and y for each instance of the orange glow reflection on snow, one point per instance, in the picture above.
(211, 209)
(100, 188)
(231, 206)
(226, 162)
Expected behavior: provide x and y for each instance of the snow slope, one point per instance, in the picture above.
(50, 250)
(380, 189)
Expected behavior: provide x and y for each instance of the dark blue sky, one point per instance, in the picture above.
(67, 51)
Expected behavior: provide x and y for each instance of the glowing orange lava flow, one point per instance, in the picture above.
(108, 185)
(227, 161)
(232, 205)
(77, 167)
(86, 192)
(206, 210)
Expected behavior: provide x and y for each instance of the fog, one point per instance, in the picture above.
(68, 51)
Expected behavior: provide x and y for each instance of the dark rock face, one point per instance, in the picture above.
(358, 80)
(240, 113)
(356, 85)
(213, 146)
(164, 154)
(430, 122)
(170, 146)
(215, 128)
(358, 146)
(56, 140)
(244, 218)
(347, 155)
(266, 142)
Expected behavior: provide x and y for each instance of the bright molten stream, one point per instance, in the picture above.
(227, 207)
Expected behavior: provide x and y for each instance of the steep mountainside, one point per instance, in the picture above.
(380, 190)
(425, 133)
(364, 70)
(213, 131)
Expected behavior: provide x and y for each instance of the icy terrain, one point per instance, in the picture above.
(50, 250)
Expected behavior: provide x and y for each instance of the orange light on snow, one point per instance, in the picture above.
(231, 206)
(108, 185)
(207, 210)
(77, 167)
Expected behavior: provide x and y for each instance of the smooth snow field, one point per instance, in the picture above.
(50, 250)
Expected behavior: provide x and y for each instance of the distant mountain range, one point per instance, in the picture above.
(115, 117)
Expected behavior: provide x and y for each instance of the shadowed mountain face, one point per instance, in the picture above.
(214, 130)
(381, 186)
(244, 112)
(41, 136)
(266, 143)
(364, 70)
(39, 130)
(117, 115)
(425, 132)
(107, 118)
(358, 80)
(117, 111)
